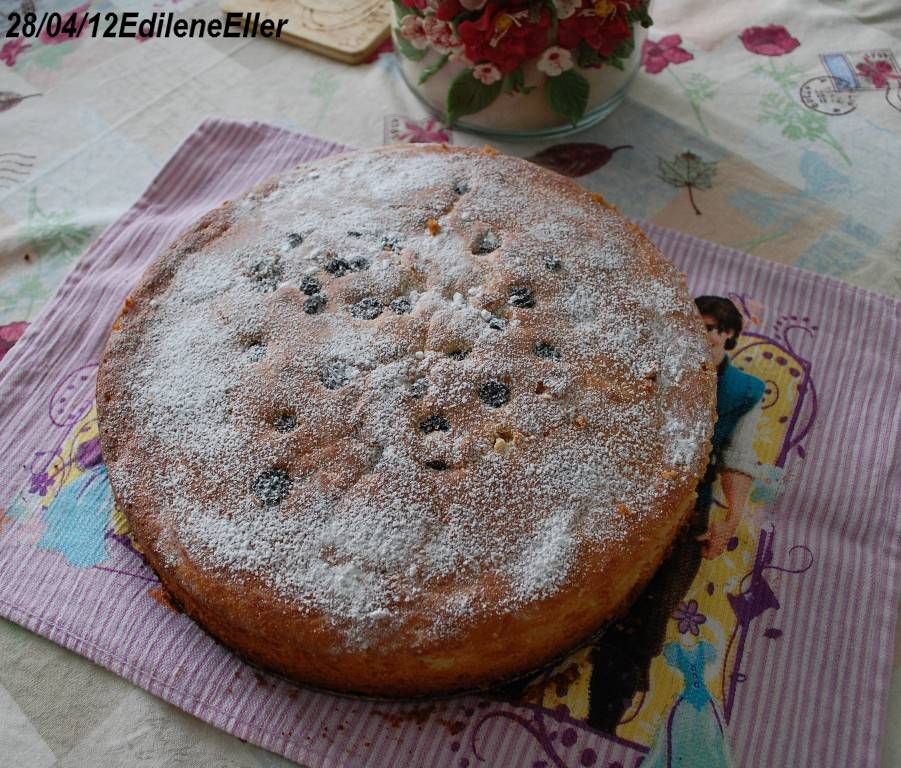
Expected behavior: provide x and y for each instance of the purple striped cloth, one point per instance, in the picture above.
(815, 697)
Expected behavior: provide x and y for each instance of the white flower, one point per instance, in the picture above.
(440, 34)
(486, 73)
(555, 60)
(412, 29)
(473, 5)
(566, 8)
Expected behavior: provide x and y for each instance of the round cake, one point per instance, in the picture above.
(407, 421)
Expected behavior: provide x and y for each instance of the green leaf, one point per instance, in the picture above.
(407, 48)
(401, 10)
(433, 68)
(588, 57)
(468, 95)
(624, 49)
(515, 81)
(568, 95)
(641, 15)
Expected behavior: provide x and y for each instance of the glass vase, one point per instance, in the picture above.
(520, 70)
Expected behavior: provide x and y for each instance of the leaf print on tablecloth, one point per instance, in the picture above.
(657, 56)
(576, 158)
(54, 235)
(10, 99)
(689, 171)
(49, 57)
(324, 86)
(49, 242)
(20, 295)
(783, 108)
(698, 88)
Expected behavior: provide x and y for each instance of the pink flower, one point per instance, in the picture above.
(555, 61)
(773, 40)
(440, 34)
(878, 72)
(655, 57)
(10, 334)
(430, 131)
(486, 73)
(413, 29)
(10, 52)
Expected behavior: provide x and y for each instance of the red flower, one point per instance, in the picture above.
(10, 334)
(505, 37)
(449, 10)
(603, 34)
(773, 40)
(878, 72)
(11, 50)
(655, 57)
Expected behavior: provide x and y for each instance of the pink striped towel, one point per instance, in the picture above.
(810, 635)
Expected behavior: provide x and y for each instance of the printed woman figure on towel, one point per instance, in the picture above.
(623, 655)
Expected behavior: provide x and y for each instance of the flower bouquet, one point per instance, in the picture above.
(539, 67)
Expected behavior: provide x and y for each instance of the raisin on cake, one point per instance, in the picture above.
(407, 421)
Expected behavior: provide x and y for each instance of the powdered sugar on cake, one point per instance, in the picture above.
(391, 383)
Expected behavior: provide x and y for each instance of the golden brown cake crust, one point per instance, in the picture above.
(407, 421)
